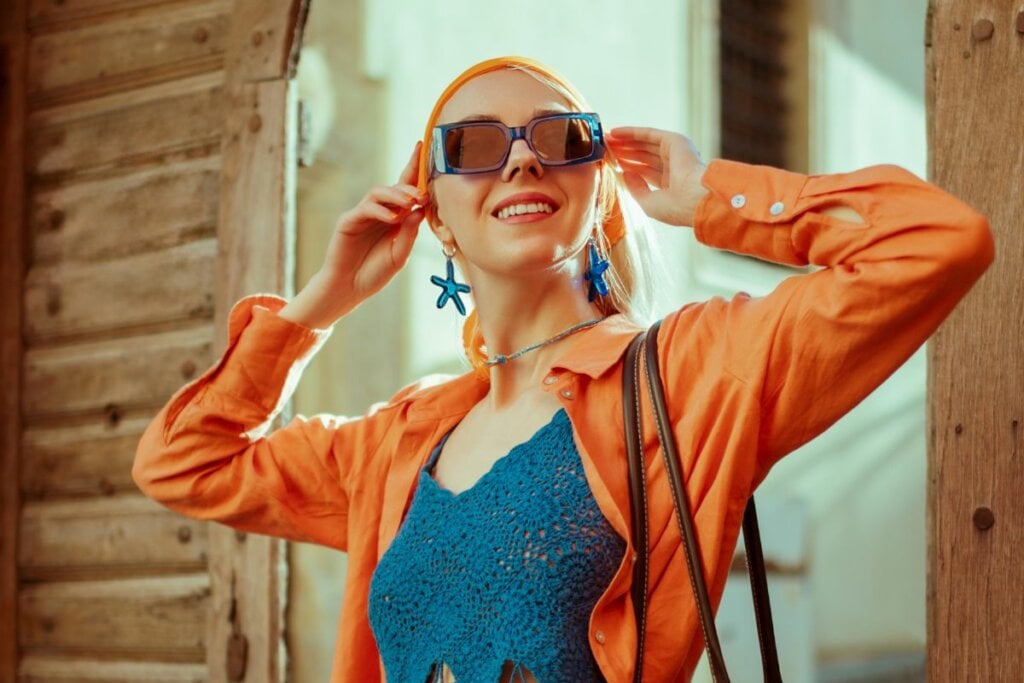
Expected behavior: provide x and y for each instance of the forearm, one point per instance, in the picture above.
(210, 425)
(317, 305)
(884, 213)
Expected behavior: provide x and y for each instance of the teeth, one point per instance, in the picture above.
(520, 209)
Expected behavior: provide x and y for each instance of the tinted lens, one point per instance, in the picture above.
(561, 140)
(474, 147)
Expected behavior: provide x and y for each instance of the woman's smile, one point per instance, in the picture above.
(525, 207)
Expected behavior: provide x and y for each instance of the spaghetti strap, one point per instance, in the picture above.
(434, 454)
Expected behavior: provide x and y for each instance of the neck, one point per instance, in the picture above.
(520, 313)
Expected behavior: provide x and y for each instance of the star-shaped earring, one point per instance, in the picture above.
(595, 273)
(450, 288)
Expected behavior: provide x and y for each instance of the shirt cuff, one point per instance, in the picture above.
(750, 210)
(260, 368)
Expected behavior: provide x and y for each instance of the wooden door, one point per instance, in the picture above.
(136, 210)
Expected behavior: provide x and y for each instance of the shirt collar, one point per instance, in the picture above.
(593, 351)
(590, 352)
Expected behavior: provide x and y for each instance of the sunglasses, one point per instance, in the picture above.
(483, 146)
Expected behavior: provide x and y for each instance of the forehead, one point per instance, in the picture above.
(508, 95)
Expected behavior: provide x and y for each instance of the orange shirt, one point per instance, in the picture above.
(748, 379)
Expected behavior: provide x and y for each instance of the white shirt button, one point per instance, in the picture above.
(550, 379)
(777, 208)
(567, 393)
(738, 201)
(599, 636)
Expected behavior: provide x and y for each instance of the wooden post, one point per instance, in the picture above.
(975, 55)
(12, 277)
(256, 254)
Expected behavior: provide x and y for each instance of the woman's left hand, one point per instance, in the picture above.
(661, 169)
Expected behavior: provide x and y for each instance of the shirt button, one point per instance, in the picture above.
(566, 393)
(738, 201)
(599, 636)
(550, 379)
(776, 208)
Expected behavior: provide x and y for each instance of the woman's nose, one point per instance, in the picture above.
(521, 159)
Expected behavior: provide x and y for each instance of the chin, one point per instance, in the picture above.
(537, 258)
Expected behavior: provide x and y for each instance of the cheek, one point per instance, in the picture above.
(458, 200)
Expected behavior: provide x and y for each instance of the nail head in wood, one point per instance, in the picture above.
(959, 429)
(57, 219)
(184, 534)
(257, 38)
(255, 123)
(1020, 22)
(201, 35)
(188, 369)
(114, 414)
(982, 29)
(984, 519)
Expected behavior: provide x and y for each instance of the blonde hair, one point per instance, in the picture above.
(628, 246)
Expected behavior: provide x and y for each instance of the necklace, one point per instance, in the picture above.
(500, 359)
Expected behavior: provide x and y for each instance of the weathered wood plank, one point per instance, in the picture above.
(129, 618)
(147, 131)
(36, 669)
(120, 534)
(257, 219)
(165, 206)
(124, 372)
(111, 104)
(13, 55)
(80, 299)
(81, 460)
(43, 14)
(127, 51)
(265, 40)
(975, 374)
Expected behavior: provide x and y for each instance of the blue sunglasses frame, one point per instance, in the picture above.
(440, 159)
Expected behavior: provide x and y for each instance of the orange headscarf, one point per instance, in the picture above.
(614, 226)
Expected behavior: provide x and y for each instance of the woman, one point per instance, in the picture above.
(514, 560)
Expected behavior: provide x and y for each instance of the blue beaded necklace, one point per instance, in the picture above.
(500, 359)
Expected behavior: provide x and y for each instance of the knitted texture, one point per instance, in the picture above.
(508, 570)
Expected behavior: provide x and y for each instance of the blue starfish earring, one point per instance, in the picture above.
(449, 287)
(595, 272)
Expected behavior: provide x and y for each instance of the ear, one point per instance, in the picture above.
(440, 230)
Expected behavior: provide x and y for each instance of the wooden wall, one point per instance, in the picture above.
(127, 105)
(976, 361)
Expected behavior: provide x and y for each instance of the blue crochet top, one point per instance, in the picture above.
(500, 578)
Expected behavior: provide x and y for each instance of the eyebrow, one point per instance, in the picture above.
(540, 111)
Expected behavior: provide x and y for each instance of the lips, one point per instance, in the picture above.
(523, 203)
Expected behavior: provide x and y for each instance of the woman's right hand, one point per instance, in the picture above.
(371, 242)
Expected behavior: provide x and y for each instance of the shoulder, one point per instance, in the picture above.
(437, 394)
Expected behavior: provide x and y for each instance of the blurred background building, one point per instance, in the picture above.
(817, 86)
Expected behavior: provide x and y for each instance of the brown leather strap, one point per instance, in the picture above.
(645, 344)
(759, 591)
(637, 494)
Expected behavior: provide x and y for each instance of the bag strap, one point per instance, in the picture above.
(646, 344)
